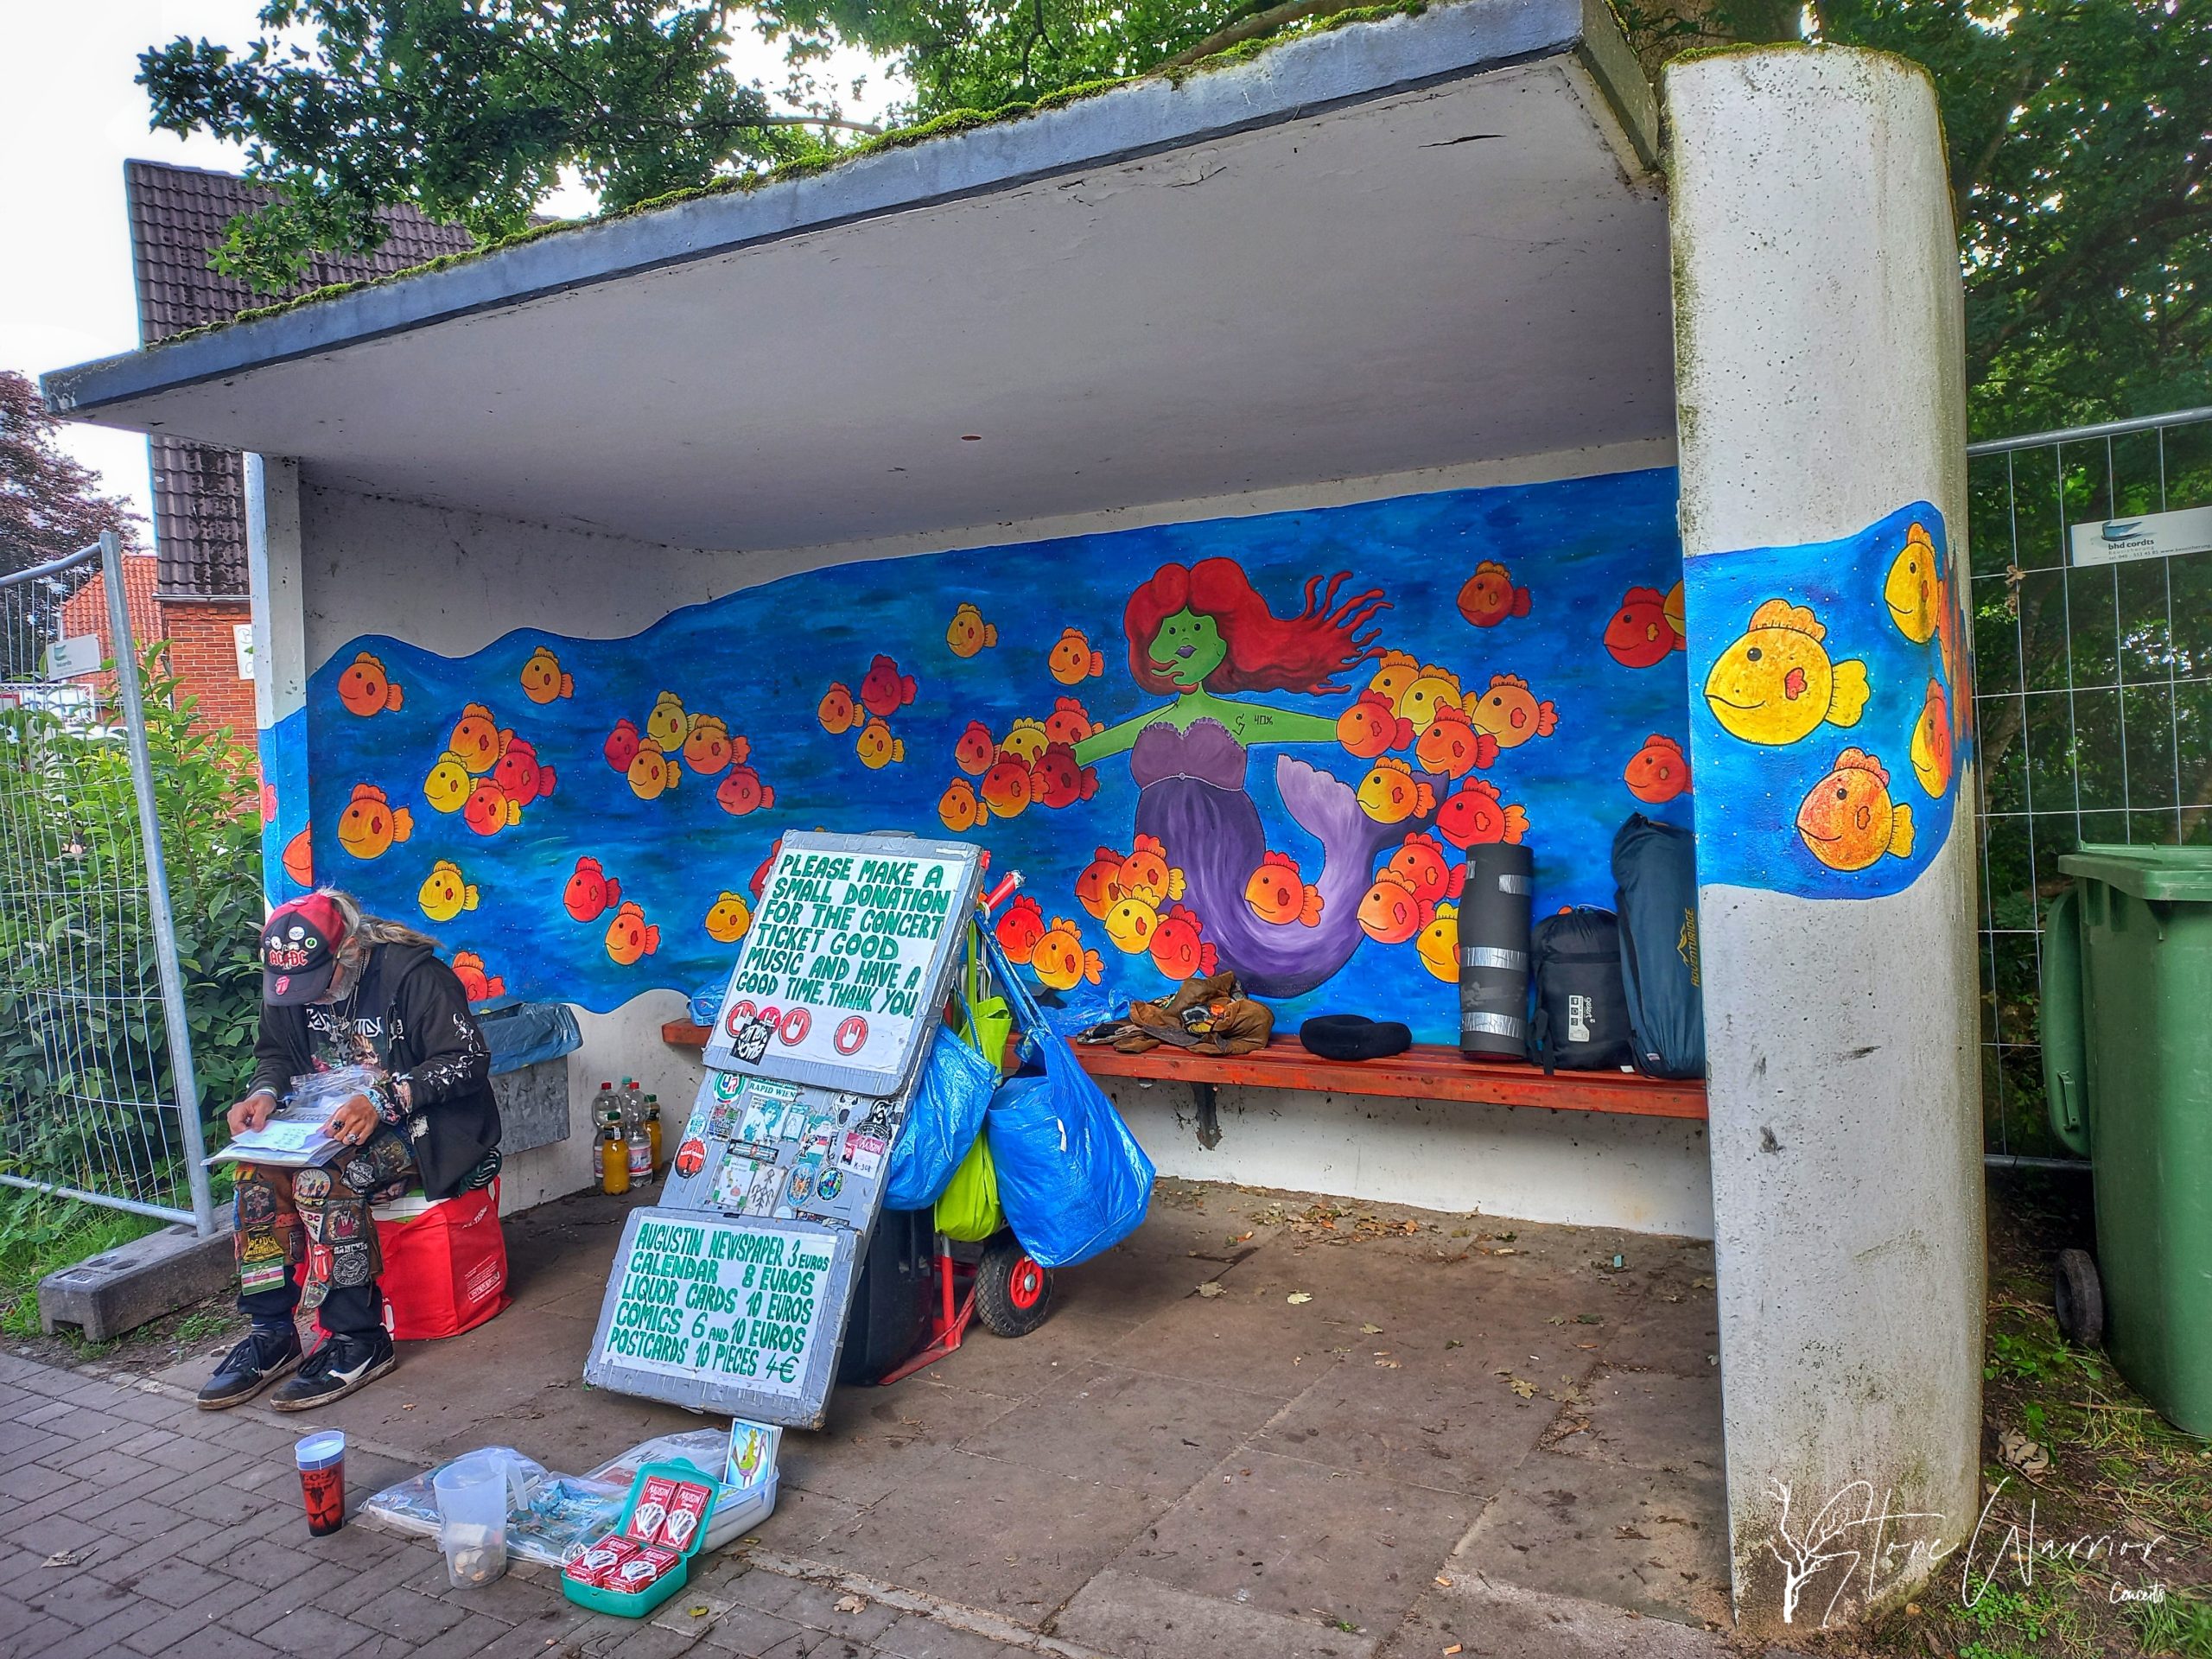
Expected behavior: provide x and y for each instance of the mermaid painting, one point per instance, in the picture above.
(1199, 635)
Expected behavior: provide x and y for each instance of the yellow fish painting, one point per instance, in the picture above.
(1027, 738)
(1931, 741)
(1847, 819)
(1393, 675)
(448, 783)
(1438, 944)
(969, 633)
(1130, 923)
(543, 680)
(1776, 684)
(728, 919)
(446, 893)
(877, 748)
(1434, 688)
(667, 725)
(1390, 793)
(652, 772)
(1913, 591)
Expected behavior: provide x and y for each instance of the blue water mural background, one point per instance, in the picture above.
(762, 658)
(1749, 794)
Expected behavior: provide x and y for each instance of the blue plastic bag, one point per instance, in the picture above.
(1071, 1177)
(942, 1122)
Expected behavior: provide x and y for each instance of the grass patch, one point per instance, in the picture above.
(39, 1234)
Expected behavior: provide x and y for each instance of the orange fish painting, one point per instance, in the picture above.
(299, 858)
(1072, 660)
(477, 739)
(877, 749)
(1390, 793)
(519, 777)
(1372, 727)
(1006, 786)
(1509, 711)
(1017, 929)
(838, 713)
(1178, 949)
(1931, 741)
(1438, 944)
(975, 749)
(708, 747)
(1420, 865)
(630, 936)
(1488, 597)
(1277, 893)
(1453, 745)
(1059, 959)
(590, 890)
(621, 745)
(729, 918)
(652, 772)
(476, 984)
(1070, 723)
(884, 690)
(741, 791)
(1056, 781)
(370, 823)
(490, 809)
(1147, 870)
(1848, 821)
(364, 688)
(543, 679)
(1473, 816)
(968, 632)
(1391, 912)
(1026, 738)
(1658, 771)
(958, 809)
(1100, 884)
(448, 783)
(1642, 632)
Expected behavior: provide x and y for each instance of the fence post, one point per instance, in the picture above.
(157, 883)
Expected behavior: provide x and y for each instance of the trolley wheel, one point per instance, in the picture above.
(2078, 1297)
(1013, 1294)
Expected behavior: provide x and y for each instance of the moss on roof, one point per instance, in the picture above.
(921, 132)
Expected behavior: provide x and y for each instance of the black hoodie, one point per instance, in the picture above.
(412, 1008)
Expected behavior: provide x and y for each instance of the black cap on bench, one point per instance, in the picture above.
(1353, 1037)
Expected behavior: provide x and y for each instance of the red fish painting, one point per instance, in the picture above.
(884, 690)
(1006, 786)
(1472, 815)
(590, 890)
(1178, 949)
(760, 876)
(1392, 912)
(838, 713)
(365, 690)
(1642, 634)
(1100, 884)
(1453, 745)
(630, 936)
(741, 791)
(489, 809)
(1070, 722)
(519, 775)
(1488, 597)
(1371, 727)
(1056, 781)
(1658, 771)
(1278, 893)
(1018, 928)
(622, 745)
(475, 983)
(975, 749)
(1419, 865)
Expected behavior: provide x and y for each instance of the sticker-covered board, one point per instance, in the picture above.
(848, 960)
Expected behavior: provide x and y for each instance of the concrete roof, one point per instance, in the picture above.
(1413, 242)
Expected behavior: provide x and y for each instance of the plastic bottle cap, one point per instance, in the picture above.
(321, 1449)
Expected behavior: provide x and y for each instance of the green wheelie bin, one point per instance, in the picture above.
(2127, 1068)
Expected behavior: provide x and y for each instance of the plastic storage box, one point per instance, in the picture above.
(637, 1604)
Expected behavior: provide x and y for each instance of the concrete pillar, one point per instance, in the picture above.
(280, 671)
(1822, 409)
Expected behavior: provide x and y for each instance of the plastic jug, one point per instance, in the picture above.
(472, 1494)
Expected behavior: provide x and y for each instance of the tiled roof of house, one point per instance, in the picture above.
(177, 217)
(85, 610)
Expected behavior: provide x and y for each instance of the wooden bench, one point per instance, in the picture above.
(1425, 1071)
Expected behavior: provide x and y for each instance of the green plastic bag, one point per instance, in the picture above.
(968, 1209)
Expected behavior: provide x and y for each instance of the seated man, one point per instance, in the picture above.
(340, 988)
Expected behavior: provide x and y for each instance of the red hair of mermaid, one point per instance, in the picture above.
(1266, 652)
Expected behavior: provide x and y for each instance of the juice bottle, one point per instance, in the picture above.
(652, 1128)
(614, 1156)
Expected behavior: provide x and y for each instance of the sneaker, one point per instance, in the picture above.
(265, 1354)
(337, 1369)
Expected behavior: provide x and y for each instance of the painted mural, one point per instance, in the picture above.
(1263, 744)
(1828, 726)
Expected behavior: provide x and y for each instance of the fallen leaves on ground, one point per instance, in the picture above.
(850, 1603)
(2017, 1451)
(64, 1558)
(1520, 1385)
(1299, 1297)
(1213, 1287)
(1371, 1330)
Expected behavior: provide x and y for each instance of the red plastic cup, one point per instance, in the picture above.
(322, 1459)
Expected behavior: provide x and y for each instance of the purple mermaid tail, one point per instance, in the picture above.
(1191, 796)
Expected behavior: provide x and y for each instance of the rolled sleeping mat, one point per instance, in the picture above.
(1494, 912)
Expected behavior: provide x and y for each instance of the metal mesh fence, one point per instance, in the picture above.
(97, 1098)
(2093, 698)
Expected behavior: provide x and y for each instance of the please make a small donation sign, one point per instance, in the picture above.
(725, 1312)
(845, 965)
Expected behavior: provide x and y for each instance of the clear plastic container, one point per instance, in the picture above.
(472, 1495)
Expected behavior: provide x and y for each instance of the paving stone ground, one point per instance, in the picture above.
(1466, 1430)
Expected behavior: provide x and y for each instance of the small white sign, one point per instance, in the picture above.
(242, 642)
(79, 654)
(2153, 535)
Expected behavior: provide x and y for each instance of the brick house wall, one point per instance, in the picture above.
(203, 650)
